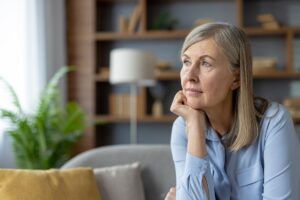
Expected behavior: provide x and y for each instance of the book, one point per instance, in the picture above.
(271, 25)
(134, 19)
(266, 17)
(123, 24)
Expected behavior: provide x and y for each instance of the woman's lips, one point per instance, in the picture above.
(193, 92)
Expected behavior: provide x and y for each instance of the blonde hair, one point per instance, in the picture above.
(236, 46)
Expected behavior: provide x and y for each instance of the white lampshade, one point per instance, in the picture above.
(131, 66)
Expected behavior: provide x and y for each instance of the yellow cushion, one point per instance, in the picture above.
(67, 184)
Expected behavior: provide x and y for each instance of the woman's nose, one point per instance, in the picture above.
(192, 74)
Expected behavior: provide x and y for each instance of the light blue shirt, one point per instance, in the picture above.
(267, 169)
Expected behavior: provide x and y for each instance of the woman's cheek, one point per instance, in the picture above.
(193, 103)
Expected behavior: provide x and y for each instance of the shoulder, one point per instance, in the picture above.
(277, 114)
(277, 121)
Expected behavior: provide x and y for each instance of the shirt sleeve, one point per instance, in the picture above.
(281, 160)
(190, 170)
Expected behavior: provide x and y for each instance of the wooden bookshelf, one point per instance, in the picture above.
(149, 35)
(258, 31)
(174, 75)
(275, 74)
(147, 119)
(159, 75)
(90, 38)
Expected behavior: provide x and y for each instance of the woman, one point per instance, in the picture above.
(226, 144)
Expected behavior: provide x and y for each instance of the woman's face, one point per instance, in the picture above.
(206, 78)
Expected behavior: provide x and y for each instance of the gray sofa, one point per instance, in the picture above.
(158, 173)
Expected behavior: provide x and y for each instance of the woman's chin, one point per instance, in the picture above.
(195, 105)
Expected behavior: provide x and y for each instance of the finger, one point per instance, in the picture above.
(178, 105)
(179, 97)
(170, 196)
(173, 190)
(178, 100)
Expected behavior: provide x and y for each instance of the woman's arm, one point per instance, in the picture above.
(193, 176)
(190, 170)
(281, 158)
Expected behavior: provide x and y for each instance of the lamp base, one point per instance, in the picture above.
(133, 114)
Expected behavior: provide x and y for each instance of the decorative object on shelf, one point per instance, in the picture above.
(264, 63)
(293, 106)
(43, 139)
(134, 20)
(202, 21)
(268, 21)
(134, 67)
(163, 65)
(123, 24)
(157, 92)
(132, 23)
(164, 21)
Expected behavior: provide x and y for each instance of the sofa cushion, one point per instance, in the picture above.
(157, 166)
(67, 184)
(120, 182)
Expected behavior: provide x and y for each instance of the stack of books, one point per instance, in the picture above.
(119, 105)
(293, 106)
(264, 63)
(268, 21)
(131, 24)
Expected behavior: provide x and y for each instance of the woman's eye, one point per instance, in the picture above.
(186, 62)
(205, 64)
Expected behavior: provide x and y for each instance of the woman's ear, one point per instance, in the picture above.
(236, 80)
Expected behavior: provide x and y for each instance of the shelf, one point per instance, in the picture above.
(159, 75)
(251, 31)
(111, 36)
(116, 1)
(258, 31)
(114, 119)
(265, 74)
(167, 75)
(174, 75)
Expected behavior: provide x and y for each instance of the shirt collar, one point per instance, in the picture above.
(212, 135)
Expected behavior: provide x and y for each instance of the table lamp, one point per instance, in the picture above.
(136, 68)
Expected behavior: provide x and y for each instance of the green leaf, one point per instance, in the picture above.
(43, 140)
(75, 120)
(15, 99)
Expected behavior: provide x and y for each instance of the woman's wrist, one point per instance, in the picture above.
(196, 138)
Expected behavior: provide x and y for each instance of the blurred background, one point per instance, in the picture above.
(38, 37)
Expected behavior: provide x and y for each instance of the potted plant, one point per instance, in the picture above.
(44, 139)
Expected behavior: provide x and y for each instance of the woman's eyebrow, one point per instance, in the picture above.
(207, 56)
(201, 57)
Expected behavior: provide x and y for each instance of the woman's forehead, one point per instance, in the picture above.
(204, 47)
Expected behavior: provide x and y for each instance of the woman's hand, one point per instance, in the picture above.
(171, 194)
(179, 107)
(195, 124)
